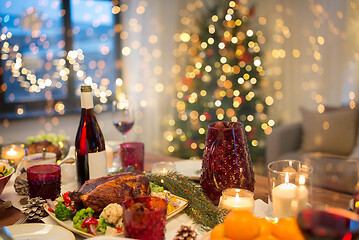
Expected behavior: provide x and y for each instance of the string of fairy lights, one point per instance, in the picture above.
(30, 82)
(190, 55)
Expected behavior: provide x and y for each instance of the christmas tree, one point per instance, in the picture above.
(223, 78)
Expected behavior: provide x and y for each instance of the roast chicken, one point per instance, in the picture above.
(98, 193)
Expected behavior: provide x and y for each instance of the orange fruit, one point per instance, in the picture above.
(241, 225)
(287, 228)
(265, 237)
(221, 238)
(266, 226)
(217, 231)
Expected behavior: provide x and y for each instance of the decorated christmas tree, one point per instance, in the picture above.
(222, 78)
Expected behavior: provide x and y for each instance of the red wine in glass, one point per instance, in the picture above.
(330, 224)
(123, 126)
(123, 116)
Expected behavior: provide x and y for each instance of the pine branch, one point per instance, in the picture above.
(200, 207)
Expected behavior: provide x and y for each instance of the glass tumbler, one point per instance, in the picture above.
(44, 181)
(132, 154)
(290, 187)
(145, 218)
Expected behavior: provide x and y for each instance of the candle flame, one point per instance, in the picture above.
(286, 180)
(12, 152)
(237, 197)
(301, 180)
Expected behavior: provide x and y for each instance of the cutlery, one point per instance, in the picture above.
(5, 234)
(22, 219)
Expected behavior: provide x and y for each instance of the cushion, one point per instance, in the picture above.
(332, 132)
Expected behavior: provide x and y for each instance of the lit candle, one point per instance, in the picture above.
(282, 197)
(239, 199)
(301, 197)
(13, 153)
(163, 167)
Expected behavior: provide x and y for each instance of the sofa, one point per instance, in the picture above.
(328, 141)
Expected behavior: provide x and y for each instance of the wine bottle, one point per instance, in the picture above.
(89, 142)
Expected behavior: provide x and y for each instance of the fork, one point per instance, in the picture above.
(22, 219)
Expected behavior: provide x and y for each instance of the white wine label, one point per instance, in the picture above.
(86, 100)
(97, 164)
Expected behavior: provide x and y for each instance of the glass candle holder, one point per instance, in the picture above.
(290, 187)
(163, 167)
(235, 198)
(145, 218)
(14, 153)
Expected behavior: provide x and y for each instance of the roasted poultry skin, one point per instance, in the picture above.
(98, 193)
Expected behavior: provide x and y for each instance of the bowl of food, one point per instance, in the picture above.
(5, 174)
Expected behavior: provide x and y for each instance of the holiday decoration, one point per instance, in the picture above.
(186, 232)
(222, 78)
(31, 20)
(34, 208)
(200, 208)
(21, 185)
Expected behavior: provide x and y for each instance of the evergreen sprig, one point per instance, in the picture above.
(200, 208)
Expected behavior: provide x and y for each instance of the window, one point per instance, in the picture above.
(50, 48)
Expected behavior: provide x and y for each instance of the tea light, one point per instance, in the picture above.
(288, 197)
(14, 153)
(163, 167)
(235, 198)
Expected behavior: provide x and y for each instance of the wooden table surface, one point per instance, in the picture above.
(321, 197)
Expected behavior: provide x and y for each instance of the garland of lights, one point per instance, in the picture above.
(30, 82)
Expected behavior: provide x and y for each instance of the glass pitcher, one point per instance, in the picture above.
(226, 160)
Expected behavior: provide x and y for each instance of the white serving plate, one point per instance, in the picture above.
(37, 231)
(68, 224)
(190, 168)
(108, 238)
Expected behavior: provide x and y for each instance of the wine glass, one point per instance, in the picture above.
(123, 116)
(329, 224)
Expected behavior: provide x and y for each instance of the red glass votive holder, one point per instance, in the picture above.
(132, 154)
(145, 218)
(44, 181)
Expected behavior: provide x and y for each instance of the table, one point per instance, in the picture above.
(321, 197)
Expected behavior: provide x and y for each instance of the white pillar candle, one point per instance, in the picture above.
(301, 197)
(288, 199)
(282, 196)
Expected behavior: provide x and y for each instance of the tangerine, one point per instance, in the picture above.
(217, 231)
(241, 225)
(266, 226)
(265, 237)
(287, 228)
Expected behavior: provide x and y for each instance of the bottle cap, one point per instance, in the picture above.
(86, 88)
